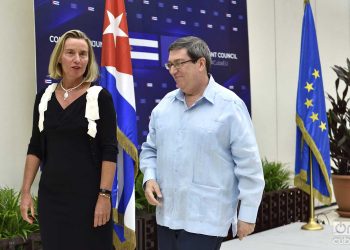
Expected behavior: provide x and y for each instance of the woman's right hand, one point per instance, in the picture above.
(27, 204)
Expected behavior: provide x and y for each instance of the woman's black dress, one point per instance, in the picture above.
(71, 173)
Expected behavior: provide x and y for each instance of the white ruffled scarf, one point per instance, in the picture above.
(91, 110)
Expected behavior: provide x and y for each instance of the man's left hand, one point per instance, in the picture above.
(244, 229)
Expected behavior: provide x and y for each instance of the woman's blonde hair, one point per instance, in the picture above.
(55, 67)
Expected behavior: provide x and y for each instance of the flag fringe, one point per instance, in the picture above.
(129, 234)
(301, 179)
(129, 148)
(130, 237)
(130, 240)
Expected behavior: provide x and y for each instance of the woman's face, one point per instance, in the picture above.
(74, 58)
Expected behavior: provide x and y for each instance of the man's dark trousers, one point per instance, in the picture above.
(169, 239)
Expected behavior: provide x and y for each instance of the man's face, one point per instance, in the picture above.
(184, 73)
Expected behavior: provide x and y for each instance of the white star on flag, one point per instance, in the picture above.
(113, 27)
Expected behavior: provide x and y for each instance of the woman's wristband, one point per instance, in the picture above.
(105, 191)
(105, 195)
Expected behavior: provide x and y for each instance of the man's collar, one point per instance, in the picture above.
(209, 92)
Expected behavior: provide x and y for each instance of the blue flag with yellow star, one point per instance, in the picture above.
(312, 142)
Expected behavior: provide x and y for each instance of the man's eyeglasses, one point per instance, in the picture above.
(177, 65)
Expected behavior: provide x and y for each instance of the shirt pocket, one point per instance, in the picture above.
(209, 205)
(212, 134)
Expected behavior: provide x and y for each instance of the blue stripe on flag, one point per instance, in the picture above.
(120, 232)
(144, 49)
(128, 185)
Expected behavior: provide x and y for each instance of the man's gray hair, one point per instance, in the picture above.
(196, 48)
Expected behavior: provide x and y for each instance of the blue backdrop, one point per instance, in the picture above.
(153, 25)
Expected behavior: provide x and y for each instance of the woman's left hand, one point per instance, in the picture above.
(102, 211)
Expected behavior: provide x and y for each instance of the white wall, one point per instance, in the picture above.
(274, 40)
(17, 92)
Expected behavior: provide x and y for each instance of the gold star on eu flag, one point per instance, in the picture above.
(314, 116)
(308, 103)
(322, 126)
(309, 86)
(316, 74)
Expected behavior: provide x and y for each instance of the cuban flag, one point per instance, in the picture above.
(116, 76)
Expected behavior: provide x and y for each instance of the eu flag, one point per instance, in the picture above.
(311, 118)
(116, 76)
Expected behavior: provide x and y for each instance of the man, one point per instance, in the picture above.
(200, 157)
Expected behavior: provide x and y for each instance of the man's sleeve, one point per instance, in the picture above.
(148, 156)
(248, 167)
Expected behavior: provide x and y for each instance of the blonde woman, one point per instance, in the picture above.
(73, 139)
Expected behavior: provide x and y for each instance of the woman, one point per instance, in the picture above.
(73, 139)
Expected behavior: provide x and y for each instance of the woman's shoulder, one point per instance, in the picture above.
(46, 88)
(103, 92)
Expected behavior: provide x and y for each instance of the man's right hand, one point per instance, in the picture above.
(152, 193)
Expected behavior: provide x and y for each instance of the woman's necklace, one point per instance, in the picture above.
(67, 91)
